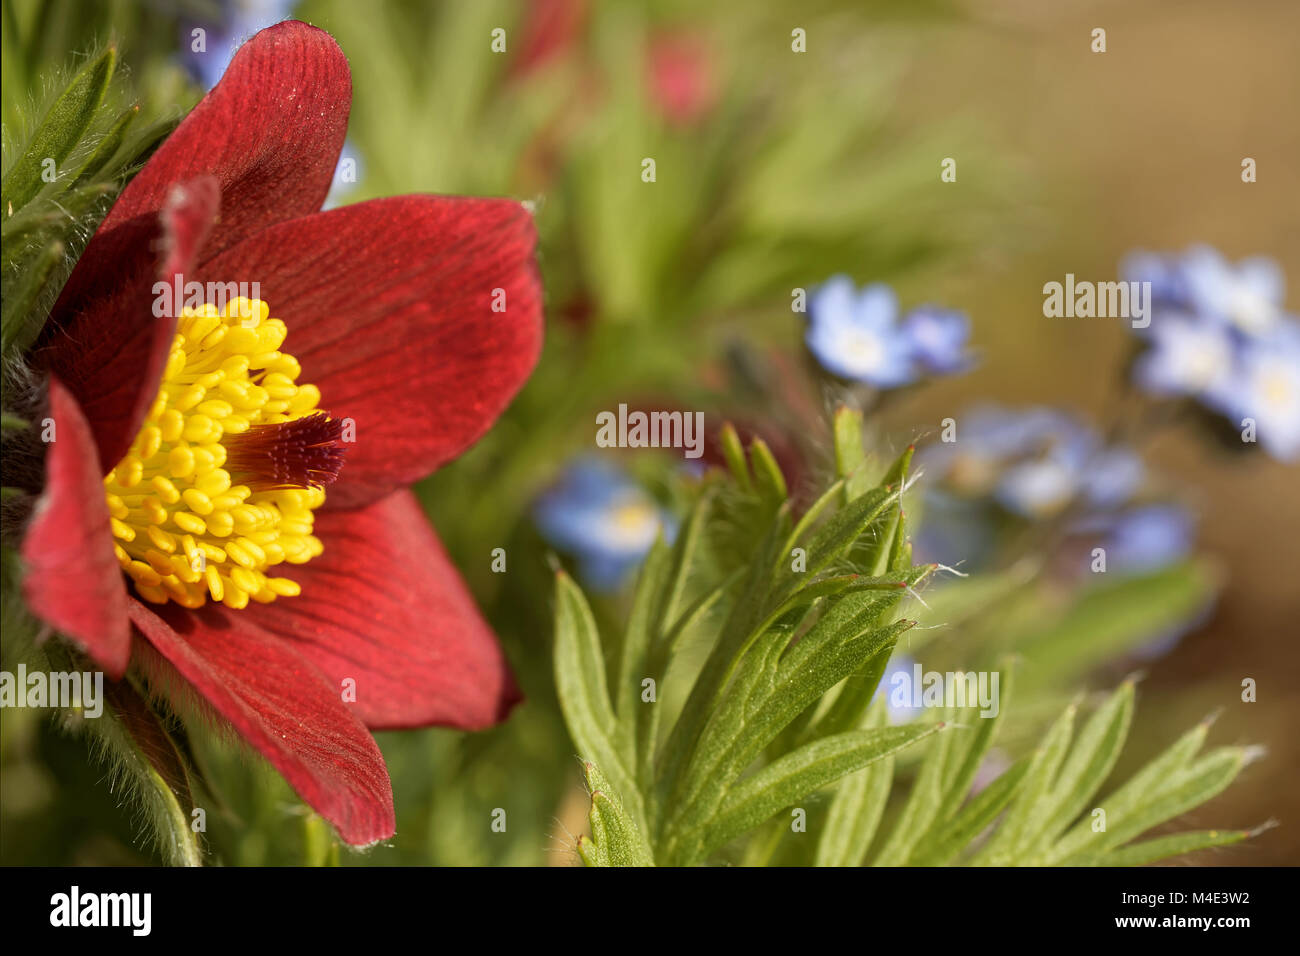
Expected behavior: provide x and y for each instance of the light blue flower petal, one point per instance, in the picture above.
(599, 516)
(1112, 476)
(1150, 538)
(1264, 277)
(879, 358)
(938, 338)
(877, 307)
(833, 302)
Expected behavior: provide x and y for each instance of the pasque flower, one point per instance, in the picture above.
(225, 506)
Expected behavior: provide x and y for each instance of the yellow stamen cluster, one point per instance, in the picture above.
(183, 529)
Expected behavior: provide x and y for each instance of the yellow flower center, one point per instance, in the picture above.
(221, 482)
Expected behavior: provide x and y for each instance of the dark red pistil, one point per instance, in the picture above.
(304, 453)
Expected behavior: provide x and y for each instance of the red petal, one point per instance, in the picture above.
(389, 309)
(270, 132)
(73, 581)
(112, 354)
(551, 29)
(281, 705)
(385, 606)
(188, 215)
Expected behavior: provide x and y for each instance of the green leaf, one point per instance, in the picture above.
(107, 148)
(143, 747)
(581, 687)
(1091, 760)
(888, 549)
(897, 473)
(967, 598)
(946, 842)
(924, 805)
(774, 693)
(783, 706)
(15, 332)
(809, 518)
(1112, 619)
(850, 453)
(698, 609)
(723, 659)
(1160, 848)
(60, 131)
(733, 452)
(320, 845)
(857, 807)
(855, 694)
(1026, 814)
(1137, 790)
(790, 779)
(685, 550)
(771, 483)
(833, 540)
(969, 750)
(1189, 788)
(669, 626)
(642, 624)
(616, 838)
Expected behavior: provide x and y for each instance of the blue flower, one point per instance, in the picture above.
(1147, 538)
(1187, 357)
(896, 684)
(1143, 540)
(1043, 467)
(860, 335)
(236, 22)
(1112, 477)
(1219, 334)
(1247, 296)
(938, 339)
(1168, 283)
(1045, 485)
(603, 519)
(1033, 463)
(1266, 389)
(857, 336)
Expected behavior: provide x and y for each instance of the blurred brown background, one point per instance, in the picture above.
(1141, 147)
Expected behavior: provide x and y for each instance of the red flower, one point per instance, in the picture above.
(550, 30)
(389, 307)
(681, 85)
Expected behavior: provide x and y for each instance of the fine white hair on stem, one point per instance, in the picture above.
(908, 482)
(912, 591)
